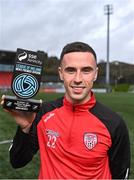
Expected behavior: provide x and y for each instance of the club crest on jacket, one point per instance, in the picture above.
(90, 140)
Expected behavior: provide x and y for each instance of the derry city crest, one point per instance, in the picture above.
(90, 140)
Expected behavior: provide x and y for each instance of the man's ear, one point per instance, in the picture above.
(60, 73)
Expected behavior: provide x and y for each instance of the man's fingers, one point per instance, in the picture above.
(13, 113)
(2, 102)
(3, 96)
(2, 99)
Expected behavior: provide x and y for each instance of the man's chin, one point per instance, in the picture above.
(77, 98)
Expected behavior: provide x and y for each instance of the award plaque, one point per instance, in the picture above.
(26, 79)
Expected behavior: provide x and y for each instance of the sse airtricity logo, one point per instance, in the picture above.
(25, 85)
(22, 56)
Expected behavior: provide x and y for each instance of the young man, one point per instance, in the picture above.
(78, 137)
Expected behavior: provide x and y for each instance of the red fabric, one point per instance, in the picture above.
(65, 149)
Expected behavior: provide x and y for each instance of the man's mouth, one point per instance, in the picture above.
(78, 89)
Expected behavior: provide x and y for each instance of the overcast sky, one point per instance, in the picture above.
(50, 24)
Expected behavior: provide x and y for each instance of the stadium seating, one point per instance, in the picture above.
(5, 80)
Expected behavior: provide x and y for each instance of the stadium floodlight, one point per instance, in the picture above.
(108, 10)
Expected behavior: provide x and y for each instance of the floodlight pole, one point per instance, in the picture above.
(108, 11)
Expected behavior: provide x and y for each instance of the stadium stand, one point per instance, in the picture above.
(5, 80)
(6, 67)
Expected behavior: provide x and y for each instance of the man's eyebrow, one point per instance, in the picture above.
(87, 67)
(70, 68)
(76, 67)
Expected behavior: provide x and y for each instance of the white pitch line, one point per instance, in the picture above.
(6, 141)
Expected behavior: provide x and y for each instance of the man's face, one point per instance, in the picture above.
(78, 71)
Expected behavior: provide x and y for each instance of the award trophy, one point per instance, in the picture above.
(26, 81)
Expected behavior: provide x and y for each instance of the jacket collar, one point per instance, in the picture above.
(80, 107)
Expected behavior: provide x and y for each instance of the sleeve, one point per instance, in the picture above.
(119, 154)
(21, 151)
(24, 145)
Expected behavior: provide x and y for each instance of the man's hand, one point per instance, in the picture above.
(23, 119)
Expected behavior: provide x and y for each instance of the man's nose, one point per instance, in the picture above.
(78, 77)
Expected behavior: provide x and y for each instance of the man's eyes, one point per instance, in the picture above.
(70, 70)
(85, 70)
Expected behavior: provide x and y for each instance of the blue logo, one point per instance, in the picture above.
(25, 85)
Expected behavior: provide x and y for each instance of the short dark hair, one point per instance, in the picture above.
(77, 47)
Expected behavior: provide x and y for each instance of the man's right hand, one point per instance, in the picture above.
(23, 119)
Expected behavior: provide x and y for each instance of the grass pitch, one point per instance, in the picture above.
(122, 103)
